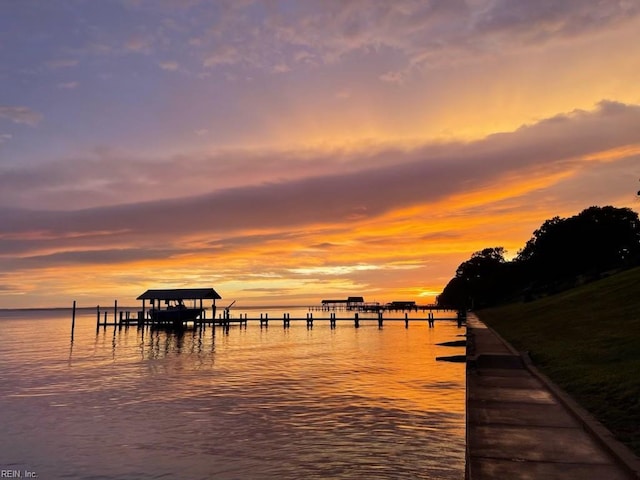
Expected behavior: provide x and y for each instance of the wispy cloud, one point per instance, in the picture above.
(223, 55)
(533, 21)
(169, 65)
(62, 63)
(393, 77)
(68, 85)
(19, 114)
(139, 44)
(425, 34)
(281, 68)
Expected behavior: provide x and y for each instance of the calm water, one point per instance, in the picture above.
(252, 403)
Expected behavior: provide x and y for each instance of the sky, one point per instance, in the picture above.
(285, 152)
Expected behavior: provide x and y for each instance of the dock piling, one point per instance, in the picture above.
(124, 318)
(73, 319)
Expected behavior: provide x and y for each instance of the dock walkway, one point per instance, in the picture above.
(521, 426)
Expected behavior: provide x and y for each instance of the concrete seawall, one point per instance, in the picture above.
(521, 426)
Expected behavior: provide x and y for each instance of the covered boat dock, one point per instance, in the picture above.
(168, 307)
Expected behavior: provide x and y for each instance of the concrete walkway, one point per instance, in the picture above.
(521, 426)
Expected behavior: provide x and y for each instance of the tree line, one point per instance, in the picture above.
(563, 253)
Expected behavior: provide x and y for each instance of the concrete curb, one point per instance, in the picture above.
(599, 432)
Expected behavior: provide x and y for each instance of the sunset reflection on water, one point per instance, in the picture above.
(250, 403)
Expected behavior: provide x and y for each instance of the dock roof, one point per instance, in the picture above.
(348, 300)
(180, 294)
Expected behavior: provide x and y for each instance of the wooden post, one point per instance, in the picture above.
(97, 318)
(73, 319)
(356, 321)
(379, 319)
(406, 320)
(115, 312)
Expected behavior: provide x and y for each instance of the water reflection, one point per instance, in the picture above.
(245, 403)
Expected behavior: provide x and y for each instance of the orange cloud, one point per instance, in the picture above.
(394, 229)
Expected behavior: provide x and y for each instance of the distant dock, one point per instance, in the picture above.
(357, 304)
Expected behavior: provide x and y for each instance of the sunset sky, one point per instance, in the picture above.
(284, 152)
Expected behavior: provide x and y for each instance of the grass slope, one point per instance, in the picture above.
(587, 340)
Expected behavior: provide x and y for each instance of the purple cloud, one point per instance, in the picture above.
(419, 176)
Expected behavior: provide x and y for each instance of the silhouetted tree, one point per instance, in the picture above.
(590, 243)
(455, 295)
(478, 282)
(560, 253)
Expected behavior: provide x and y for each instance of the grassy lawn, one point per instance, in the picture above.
(587, 340)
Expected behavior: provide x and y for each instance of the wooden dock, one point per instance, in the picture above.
(376, 307)
(125, 319)
(167, 309)
(176, 315)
